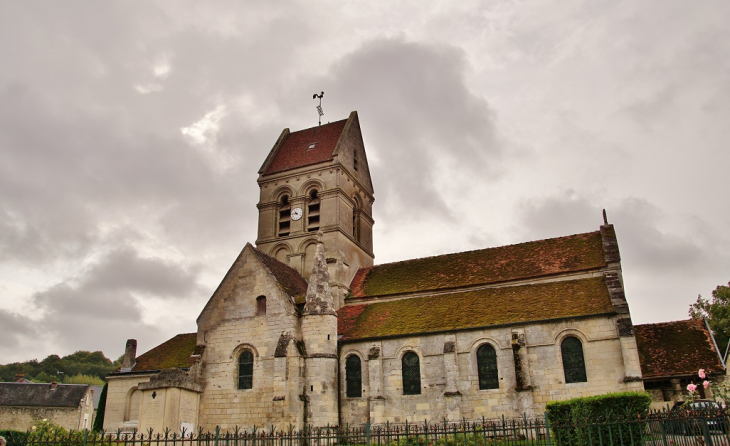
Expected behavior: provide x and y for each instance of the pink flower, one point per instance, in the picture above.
(706, 384)
(702, 374)
(691, 387)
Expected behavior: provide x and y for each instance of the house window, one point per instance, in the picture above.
(260, 305)
(245, 370)
(356, 220)
(487, 367)
(313, 211)
(573, 362)
(284, 216)
(411, 374)
(353, 377)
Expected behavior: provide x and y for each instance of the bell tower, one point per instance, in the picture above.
(313, 180)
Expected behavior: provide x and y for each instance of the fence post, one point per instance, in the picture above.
(547, 429)
(367, 432)
(86, 434)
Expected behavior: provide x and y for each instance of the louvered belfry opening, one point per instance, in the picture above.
(284, 216)
(313, 211)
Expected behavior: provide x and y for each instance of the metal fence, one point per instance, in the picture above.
(653, 430)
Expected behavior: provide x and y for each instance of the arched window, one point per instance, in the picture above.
(313, 211)
(353, 377)
(245, 370)
(487, 367)
(260, 305)
(574, 364)
(284, 216)
(411, 374)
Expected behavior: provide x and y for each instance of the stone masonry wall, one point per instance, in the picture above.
(230, 325)
(118, 399)
(450, 387)
(21, 418)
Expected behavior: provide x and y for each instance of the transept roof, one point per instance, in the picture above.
(675, 349)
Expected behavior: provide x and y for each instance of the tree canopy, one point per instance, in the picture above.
(717, 312)
(79, 367)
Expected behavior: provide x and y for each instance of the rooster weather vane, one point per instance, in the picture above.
(319, 107)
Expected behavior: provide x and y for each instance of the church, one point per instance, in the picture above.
(305, 330)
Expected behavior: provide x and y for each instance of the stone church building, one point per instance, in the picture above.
(305, 330)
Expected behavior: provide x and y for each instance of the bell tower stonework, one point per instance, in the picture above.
(318, 180)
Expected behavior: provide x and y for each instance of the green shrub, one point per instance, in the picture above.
(14, 438)
(590, 420)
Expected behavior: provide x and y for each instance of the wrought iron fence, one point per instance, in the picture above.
(658, 428)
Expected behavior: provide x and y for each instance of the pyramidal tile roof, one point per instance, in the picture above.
(561, 255)
(306, 147)
(674, 349)
(475, 308)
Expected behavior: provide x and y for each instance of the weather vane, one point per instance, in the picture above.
(319, 107)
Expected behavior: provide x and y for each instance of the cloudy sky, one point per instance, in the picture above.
(131, 134)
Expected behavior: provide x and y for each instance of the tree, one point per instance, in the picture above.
(717, 312)
(99, 420)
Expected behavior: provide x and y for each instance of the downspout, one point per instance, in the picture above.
(712, 336)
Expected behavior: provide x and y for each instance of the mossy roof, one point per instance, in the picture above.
(290, 280)
(526, 260)
(476, 308)
(675, 349)
(173, 353)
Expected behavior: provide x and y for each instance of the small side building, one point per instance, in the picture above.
(671, 353)
(22, 404)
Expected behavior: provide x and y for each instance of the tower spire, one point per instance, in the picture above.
(319, 296)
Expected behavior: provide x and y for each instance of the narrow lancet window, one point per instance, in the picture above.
(574, 363)
(353, 377)
(487, 367)
(313, 211)
(245, 370)
(411, 369)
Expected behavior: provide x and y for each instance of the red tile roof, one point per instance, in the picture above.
(472, 309)
(290, 280)
(294, 151)
(675, 349)
(174, 353)
(526, 260)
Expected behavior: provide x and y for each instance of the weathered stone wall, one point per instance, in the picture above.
(228, 326)
(21, 418)
(121, 405)
(450, 384)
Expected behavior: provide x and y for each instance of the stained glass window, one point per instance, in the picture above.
(411, 374)
(487, 367)
(353, 377)
(245, 370)
(573, 363)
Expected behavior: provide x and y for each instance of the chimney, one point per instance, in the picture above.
(53, 385)
(19, 377)
(130, 355)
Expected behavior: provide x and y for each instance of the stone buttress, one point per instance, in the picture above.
(319, 331)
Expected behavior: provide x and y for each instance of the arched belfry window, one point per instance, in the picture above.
(487, 367)
(260, 305)
(313, 211)
(284, 216)
(574, 363)
(245, 370)
(411, 369)
(353, 377)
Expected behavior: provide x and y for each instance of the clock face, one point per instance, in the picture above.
(296, 214)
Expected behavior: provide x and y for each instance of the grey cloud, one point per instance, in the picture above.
(100, 308)
(415, 109)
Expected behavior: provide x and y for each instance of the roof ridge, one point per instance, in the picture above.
(476, 250)
(260, 253)
(318, 126)
(669, 322)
